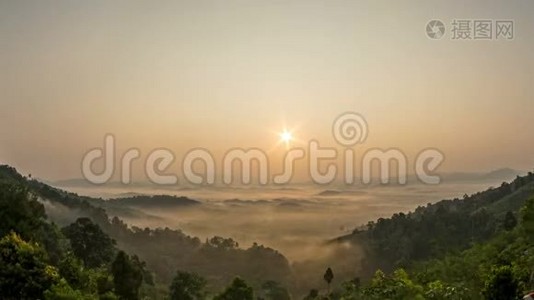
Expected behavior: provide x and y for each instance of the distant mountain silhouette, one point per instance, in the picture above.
(503, 173)
(328, 193)
(158, 201)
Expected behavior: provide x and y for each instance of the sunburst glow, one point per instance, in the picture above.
(286, 136)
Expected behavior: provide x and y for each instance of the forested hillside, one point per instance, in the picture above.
(477, 247)
(443, 227)
(91, 243)
(501, 268)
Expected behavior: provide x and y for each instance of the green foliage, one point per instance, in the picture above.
(509, 221)
(108, 296)
(24, 272)
(400, 286)
(39, 261)
(438, 290)
(500, 268)
(89, 243)
(187, 286)
(502, 285)
(397, 286)
(444, 227)
(19, 212)
(273, 290)
(127, 276)
(95, 281)
(53, 241)
(454, 249)
(239, 289)
(104, 283)
(163, 249)
(527, 217)
(62, 291)
(71, 270)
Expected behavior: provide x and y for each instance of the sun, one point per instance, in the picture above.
(286, 136)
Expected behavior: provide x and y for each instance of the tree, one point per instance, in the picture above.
(19, 212)
(239, 289)
(312, 295)
(509, 221)
(527, 217)
(89, 243)
(396, 286)
(104, 283)
(275, 291)
(24, 273)
(127, 277)
(438, 290)
(63, 291)
(502, 285)
(328, 277)
(222, 243)
(187, 286)
(70, 269)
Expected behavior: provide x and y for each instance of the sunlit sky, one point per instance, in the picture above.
(224, 74)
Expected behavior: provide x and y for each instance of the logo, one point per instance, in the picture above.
(349, 130)
(435, 29)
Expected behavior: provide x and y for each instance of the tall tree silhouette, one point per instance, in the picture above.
(239, 289)
(187, 286)
(328, 277)
(127, 277)
(89, 243)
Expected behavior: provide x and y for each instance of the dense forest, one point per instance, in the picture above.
(81, 251)
(477, 247)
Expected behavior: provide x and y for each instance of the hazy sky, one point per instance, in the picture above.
(223, 74)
